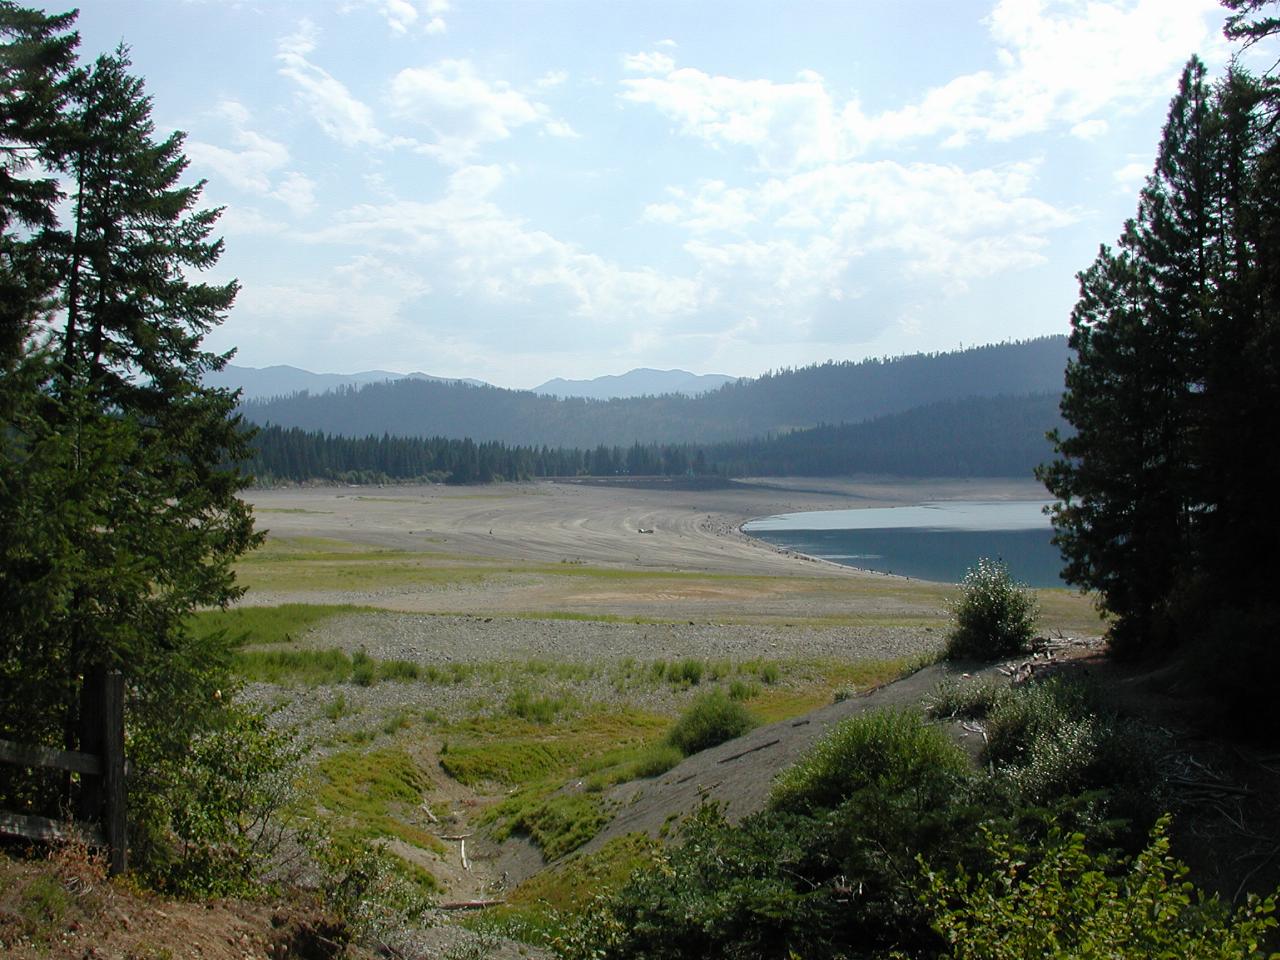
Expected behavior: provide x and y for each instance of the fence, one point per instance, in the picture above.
(100, 763)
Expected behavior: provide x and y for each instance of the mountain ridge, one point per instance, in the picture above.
(282, 380)
(774, 403)
(638, 382)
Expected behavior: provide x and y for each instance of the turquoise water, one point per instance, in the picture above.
(930, 541)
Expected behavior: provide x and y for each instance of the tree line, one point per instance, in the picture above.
(978, 436)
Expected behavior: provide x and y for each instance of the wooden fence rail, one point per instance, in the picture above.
(101, 766)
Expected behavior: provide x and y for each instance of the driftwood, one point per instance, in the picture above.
(743, 753)
(469, 904)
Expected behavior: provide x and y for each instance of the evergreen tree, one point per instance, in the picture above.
(119, 512)
(1172, 393)
(37, 57)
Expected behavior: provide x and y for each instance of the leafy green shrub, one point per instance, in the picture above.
(1034, 712)
(885, 749)
(995, 616)
(215, 817)
(966, 698)
(1069, 903)
(710, 720)
(374, 894)
(1048, 739)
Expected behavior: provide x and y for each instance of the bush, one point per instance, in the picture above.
(969, 698)
(710, 720)
(212, 821)
(995, 616)
(886, 749)
(1070, 904)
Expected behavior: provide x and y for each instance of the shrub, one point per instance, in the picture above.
(218, 815)
(1049, 740)
(886, 749)
(966, 699)
(711, 719)
(995, 616)
(1070, 904)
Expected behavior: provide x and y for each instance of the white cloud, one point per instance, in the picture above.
(1060, 63)
(653, 62)
(560, 128)
(404, 16)
(497, 259)
(1130, 178)
(802, 239)
(552, 79)
(247, 168)
(786, 124)
(1090, 129)
(297, 192)
(465, 111)
(252, 167)
(341, 115)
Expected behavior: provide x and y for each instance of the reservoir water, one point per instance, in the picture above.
(929, 541)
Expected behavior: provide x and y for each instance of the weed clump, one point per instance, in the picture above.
(710, 720)
(995, 616)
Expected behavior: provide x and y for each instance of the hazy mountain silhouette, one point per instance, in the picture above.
(641, 382)
(778, 402)
(260, 383)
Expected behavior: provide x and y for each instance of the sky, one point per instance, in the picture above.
(514, 191)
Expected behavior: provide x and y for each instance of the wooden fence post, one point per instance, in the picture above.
(102, 773)
(114, 814)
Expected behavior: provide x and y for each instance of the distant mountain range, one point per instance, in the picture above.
(776, 403)
(641, 382)
(261, 383)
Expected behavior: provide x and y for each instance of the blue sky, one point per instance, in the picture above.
(519, 190)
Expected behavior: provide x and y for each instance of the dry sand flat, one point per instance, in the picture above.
(597, 523)
(577, 548)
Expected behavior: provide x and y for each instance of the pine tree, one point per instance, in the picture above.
(1125, 480)
(119, 508)
(37, 57)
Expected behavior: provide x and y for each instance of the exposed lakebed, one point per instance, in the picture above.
(930, 541)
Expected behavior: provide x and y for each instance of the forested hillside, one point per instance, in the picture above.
(782, 401)
(979, 436)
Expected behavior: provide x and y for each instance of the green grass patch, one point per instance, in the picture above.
(315, 667)
(813, 684)
(559, 823)
(306, 667)
(42, 908)
(365, 793)
(510, 762)
(602, 747)
(262, 626)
